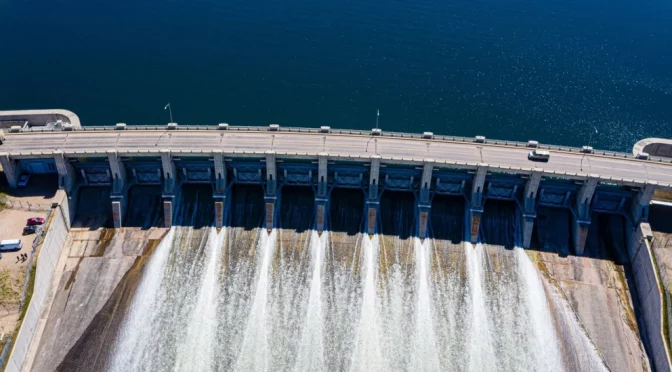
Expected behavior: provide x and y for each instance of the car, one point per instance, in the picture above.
(643, 156)
(539, 155)
(10, 245)
(23, 180)
(34, 221)
(32, 229)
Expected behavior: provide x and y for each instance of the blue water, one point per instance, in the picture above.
(510, 69)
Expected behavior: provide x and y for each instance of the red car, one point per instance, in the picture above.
(35, 221)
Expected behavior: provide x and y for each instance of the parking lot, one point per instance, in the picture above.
(13, 269)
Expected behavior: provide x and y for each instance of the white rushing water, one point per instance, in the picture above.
(425, 354)
(368, 355)
(311, 348)
(254, 353)
(480, 352)
(204, 305)
(195, 352)
(141, 320)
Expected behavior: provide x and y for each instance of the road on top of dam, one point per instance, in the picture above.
(336, 145)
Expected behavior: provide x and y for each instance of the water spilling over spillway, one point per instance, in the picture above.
(244, 299)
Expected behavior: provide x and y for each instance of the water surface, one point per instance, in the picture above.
(508, 69)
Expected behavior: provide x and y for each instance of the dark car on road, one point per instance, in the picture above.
(32, 229)
(35, 221)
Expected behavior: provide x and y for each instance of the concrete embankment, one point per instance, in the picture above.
(49, 263)
(661, 247)
(650, 294)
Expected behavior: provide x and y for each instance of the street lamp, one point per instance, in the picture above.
(590, 139)
(170, 110)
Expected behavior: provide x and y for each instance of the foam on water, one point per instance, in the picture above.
(367, 355)
(406, 306)
(480, 353)
(141, 322)
(254, 352)
(425, 355)
(196, 353)
(311, 348)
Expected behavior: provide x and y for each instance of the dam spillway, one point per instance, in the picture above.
(243, 299)
(288, 261)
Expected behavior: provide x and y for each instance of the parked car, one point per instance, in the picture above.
(23, 180)
(34, 221)
(32, 229)
(539, 155)
(10, 245)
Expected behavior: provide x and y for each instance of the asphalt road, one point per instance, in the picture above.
(340, 145)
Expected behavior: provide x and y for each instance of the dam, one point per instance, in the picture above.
(317, 249)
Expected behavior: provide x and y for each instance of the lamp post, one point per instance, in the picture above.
(170, 110)
(590, 143)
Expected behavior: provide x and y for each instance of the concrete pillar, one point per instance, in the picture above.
(271, 187)
(476, 203)
(118, 175)
(168, 212)
(10, 169)
(118, 171)
(117, 213)
(322, 175)
(219, 188)
(581, 218)
(374, 172)
(424, 204)
(372, 202)
(271, 175)
(220, 172)
(169, 171)
(371, 216)
(321, 199)
(66, 174)
(320, 214)
(640, 203)
(219, 213)
(530, 206)
(579, 235)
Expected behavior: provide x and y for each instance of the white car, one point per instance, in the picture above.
(539, 155)
(23, 180)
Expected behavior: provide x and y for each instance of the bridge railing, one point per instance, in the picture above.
(358, 132)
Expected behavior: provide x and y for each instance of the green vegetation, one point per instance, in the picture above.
(10, 293)
(29, 292)
(9, 288)
(3, 200)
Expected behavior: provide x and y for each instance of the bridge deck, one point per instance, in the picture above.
(392, 150)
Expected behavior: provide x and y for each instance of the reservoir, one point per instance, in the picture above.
(551, 71)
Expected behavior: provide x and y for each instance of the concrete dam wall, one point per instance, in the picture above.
(229, 249)
(248, 298)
